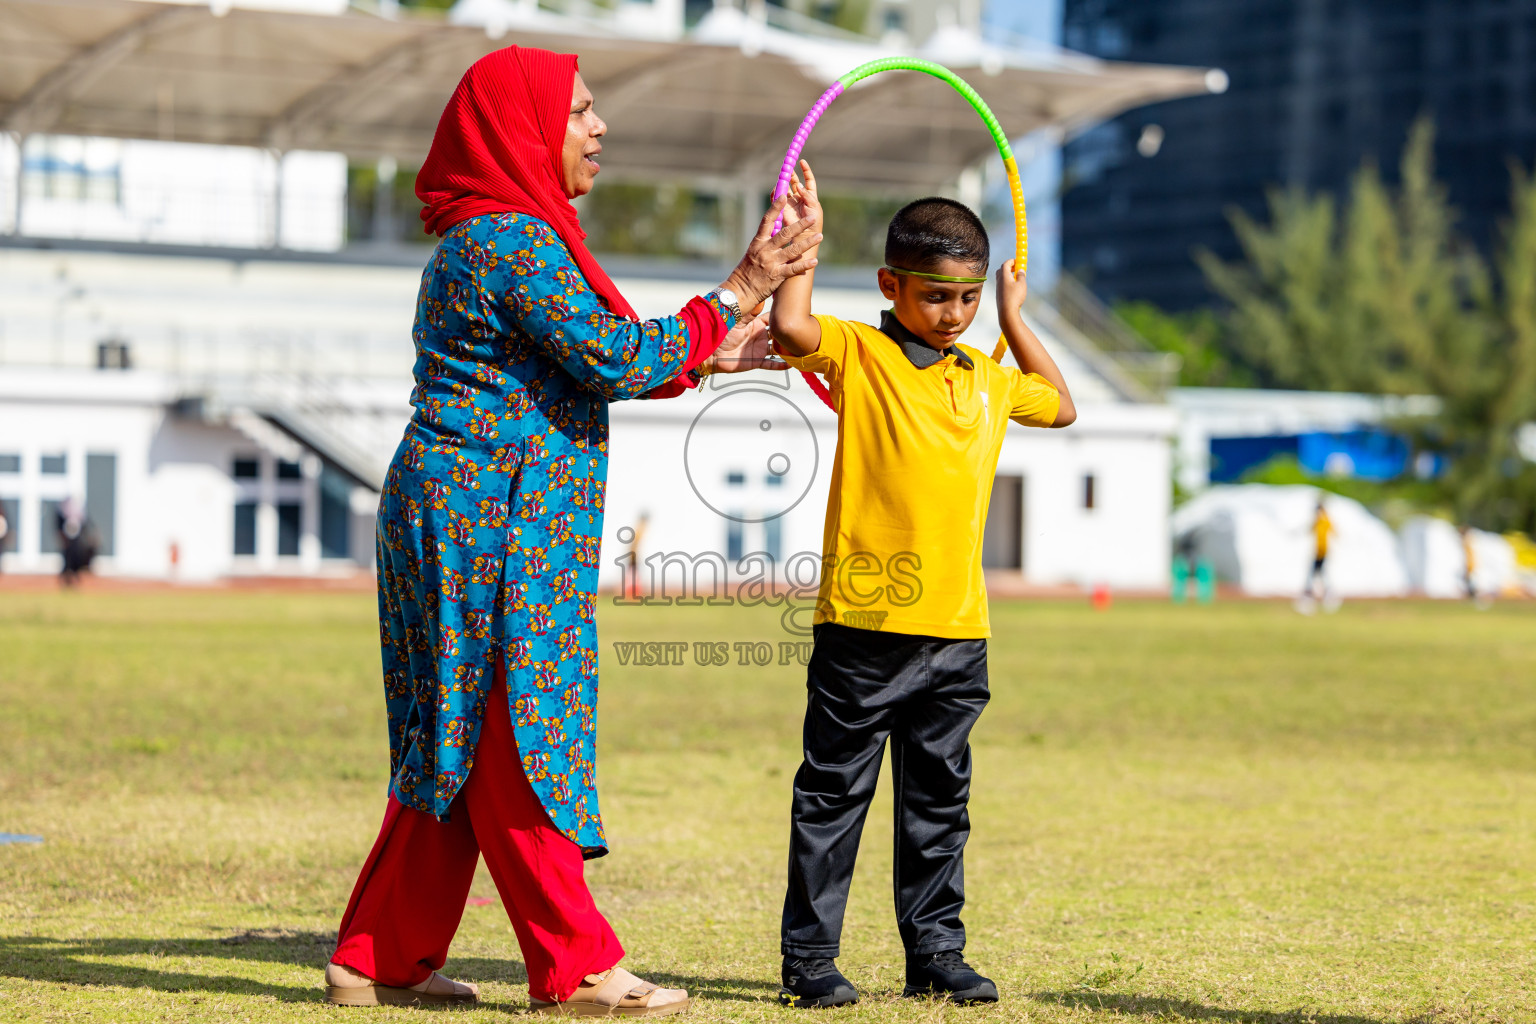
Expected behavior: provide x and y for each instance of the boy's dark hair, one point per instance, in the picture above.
(927, 231)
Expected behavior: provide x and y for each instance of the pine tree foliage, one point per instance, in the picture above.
(1383, 296)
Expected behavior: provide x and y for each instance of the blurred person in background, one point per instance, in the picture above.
(76, 541)
(489, 533)
(1469, 562)
(1322, 532)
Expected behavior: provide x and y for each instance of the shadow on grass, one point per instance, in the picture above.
(1161, 1008)
(478, 969)
(73, 962)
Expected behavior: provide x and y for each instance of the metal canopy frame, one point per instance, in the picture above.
(716, 105)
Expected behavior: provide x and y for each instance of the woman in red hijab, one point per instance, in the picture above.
(489, 531)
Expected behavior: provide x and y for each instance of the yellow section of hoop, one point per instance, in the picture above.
(1020, 237)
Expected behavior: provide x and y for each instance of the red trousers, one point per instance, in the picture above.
(413, 887)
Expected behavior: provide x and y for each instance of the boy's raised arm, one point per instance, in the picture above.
(790, 320)
(1026, 348)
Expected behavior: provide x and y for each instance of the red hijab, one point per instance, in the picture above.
(497, 150)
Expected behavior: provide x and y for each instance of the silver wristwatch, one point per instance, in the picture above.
(729, 301)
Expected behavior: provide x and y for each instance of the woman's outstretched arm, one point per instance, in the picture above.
(548, 298)
(549, 301)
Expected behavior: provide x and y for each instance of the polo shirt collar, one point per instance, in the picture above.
(921, 356)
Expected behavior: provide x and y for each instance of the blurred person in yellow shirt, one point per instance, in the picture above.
(1322, 531)
(1469, 561)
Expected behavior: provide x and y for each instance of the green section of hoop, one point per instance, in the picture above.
(942, 73)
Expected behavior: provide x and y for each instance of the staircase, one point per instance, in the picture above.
(1133, 364)
(279, 410)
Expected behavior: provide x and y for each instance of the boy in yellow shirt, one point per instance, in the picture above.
(901, 620)
(1322, 532)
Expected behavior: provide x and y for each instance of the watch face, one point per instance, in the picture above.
(728, 297)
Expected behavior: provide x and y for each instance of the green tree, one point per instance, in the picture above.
(1198, 338)
(1386, 297)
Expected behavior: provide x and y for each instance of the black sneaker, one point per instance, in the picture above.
(947, 974)
(813, 982)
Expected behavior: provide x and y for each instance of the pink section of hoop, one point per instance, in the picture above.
(792, 155)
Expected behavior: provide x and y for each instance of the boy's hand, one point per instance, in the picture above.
(795, 330)
(1010, 293)
(804, 204)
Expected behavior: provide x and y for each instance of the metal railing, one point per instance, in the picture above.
(1153, 371)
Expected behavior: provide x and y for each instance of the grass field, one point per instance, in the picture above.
(1226, 814)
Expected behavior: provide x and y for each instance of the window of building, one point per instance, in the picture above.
(289, 470)
(246, 468)
(1108, 38)
(73, 168)
(113, 354)
(774, 480)
(1002, 538)
(1402, 52)
(1403, 105)
(10, 463)
(1461, 48)
(245, 528)
(1495, 100)
(773, 539)
(54, 465)
(1336, 114)
(289, 518)
(736, 479)
(1090, 499)
(1461, 104)
(48, 518)
(335, 514)
(1498, 43)
(734, 543)
(101, 499)
(10, 511)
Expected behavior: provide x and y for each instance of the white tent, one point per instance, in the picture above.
(1437, 564)
(1260, 538)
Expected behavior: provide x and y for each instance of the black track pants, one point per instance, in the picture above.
(925, 694)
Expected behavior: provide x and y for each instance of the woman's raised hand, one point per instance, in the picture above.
(772, 258)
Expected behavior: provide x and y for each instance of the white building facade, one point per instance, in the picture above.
(228, 414)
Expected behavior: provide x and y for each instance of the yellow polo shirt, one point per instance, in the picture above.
(916, 454)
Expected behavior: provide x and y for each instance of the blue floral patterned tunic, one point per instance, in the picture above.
(492, 512)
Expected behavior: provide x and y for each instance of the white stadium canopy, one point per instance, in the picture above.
(720, 102)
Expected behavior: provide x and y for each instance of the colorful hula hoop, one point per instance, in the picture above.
(960, 85)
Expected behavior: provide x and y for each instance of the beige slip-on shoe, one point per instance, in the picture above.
(346, 987)
(617, 993)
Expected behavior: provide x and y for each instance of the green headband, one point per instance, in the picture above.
(936, 277)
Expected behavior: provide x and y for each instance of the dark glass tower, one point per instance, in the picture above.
(1316, 87)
